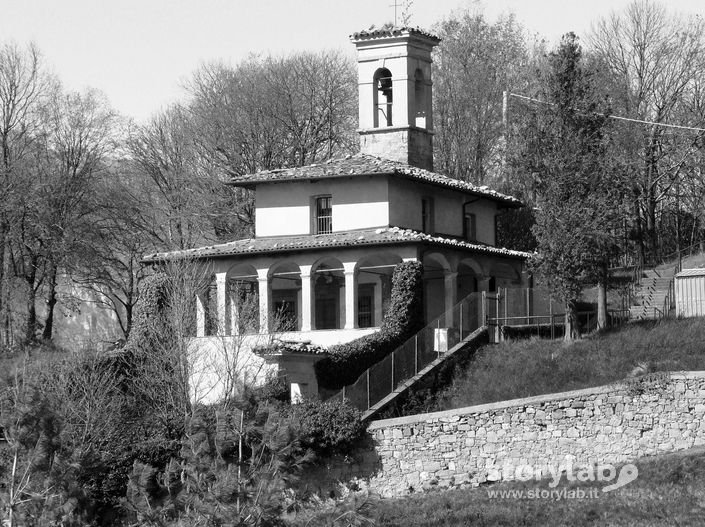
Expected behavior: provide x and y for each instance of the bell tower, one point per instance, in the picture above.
(394, 81)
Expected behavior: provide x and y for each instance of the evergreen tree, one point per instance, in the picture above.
(566, 146)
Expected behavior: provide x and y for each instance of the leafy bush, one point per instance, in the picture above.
(149, 326)
(327, 428)
(233, 468)
(274, 389)
(404, 317)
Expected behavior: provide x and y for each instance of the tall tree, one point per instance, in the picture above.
(566, 143)
(58, 181)
(78, 136)
(475, 63)
(181, 201)
(22, 85)
(655, 58)
(118, 240)
(271, 112)
(275, 111)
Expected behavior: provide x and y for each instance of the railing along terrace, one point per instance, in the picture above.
(431, 342)
(521, 310)
(526, 311)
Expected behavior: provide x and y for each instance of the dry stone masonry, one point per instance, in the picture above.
(467, 447)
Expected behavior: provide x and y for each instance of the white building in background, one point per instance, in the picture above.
(328, 236)
(690, 293)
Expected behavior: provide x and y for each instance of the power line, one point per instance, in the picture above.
(616, 117)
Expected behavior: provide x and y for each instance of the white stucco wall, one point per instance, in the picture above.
(218, 366)
(485, 212)
(405, 209)
(284, 209)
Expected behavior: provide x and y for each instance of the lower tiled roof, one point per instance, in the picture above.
(283, 347)
(381, 236)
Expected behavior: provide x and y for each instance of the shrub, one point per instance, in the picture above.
(404, 317)
(327, 428)
(274, 389)
(149, 326)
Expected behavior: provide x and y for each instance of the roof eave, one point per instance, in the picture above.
(250, 184)
(160, 258)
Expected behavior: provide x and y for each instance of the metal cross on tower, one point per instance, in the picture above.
(395, 5)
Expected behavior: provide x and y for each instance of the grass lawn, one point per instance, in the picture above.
(524, 368)
(669, 490)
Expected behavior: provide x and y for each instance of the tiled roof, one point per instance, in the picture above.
(365, 165)
(390, 30)
(382, 236)
(691, 272)
(283, 347)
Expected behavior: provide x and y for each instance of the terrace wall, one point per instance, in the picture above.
(611, 424)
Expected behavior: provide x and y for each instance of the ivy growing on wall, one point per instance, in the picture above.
(403, 318)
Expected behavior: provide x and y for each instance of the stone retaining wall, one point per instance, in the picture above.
(469, 446)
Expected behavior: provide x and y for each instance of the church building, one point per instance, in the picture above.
(328, 236)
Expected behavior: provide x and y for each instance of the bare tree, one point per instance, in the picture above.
(176, 194)
(116, 243)
(475, 62)
(58, 181)
(22, 85)
(78, 136)
(654, 57)
(276, 111)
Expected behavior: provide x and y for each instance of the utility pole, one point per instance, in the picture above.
(505, 108)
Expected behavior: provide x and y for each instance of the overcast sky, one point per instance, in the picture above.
(138, 52)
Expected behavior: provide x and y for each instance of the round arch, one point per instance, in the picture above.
(328, 293)
(504, 275)
(374, 287)
(242, 299)
(469, 274)
(382, 97)
(420, 109)
(435, 269)
(285, 296)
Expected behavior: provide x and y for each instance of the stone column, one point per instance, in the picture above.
(306, 298)
(483, 284)
(200, 316)
(350, 294)
(263, 282)
(451, 296)
(220, 283)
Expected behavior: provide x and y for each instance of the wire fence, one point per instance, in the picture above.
(434, 340)
(506, 313)
(527, 312)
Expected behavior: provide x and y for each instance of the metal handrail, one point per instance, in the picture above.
(420, 357)
(456, 325)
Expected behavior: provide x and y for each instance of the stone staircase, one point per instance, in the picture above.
(651, 298)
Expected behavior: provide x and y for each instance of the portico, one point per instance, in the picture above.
(293, 287)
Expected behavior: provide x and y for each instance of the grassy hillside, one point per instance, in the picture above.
(669, 490)
(525, 368)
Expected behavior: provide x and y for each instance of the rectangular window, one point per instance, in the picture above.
(469, 226)
(427, 215)
(323, 220)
